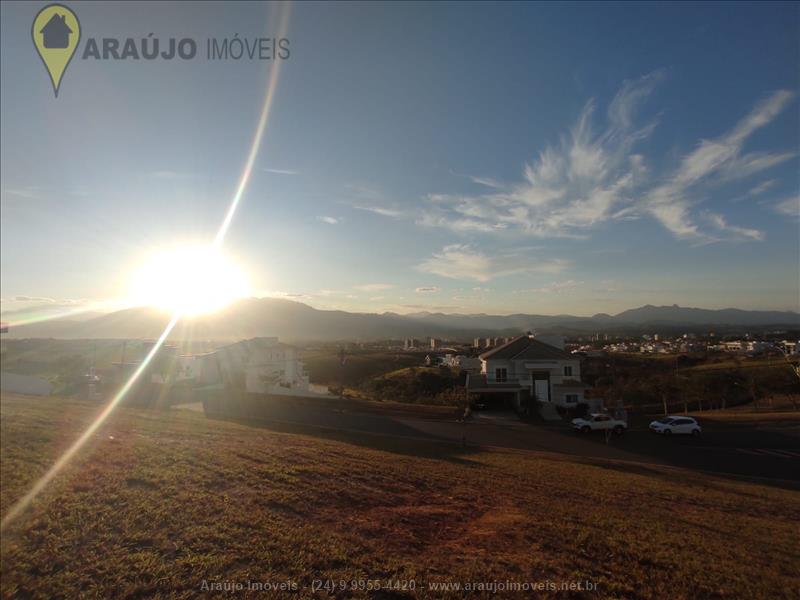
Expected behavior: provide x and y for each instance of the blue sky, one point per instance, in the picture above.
(543, 158)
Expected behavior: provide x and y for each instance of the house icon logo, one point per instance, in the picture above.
(56, 33)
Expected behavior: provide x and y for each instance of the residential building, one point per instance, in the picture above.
(527, 369)
(259, 365)
(460, 361)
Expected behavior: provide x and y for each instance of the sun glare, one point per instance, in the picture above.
(191, 280)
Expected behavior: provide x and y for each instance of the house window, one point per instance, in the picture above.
(501, 375)
(567, 371)
(571, 398)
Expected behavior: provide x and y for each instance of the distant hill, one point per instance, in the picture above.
(296, 321)
(702, 316)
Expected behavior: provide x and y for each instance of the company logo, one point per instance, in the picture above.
(56, 32)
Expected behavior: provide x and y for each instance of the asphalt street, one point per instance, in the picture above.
(766, 450)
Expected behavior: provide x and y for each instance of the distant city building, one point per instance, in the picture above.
(434, 343)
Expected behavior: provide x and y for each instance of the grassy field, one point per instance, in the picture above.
(162, 501)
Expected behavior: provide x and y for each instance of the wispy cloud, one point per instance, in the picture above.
(167, 174)
(379, 210)
(556, 287)
(569, 188)
(330, 220)
(33, 299)
(281, 171)
(720, 159)
(789, 207)
(438, 307)
(596, 175)
(374, 287)
(283, 294)
(731, 232)
(762, 187)
(26, 192)
(371, 199)
(461, 261)
(427, 290)
(487, 182)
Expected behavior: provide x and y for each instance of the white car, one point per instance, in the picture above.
(599, 422)
(677, 425)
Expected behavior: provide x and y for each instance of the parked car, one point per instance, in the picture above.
(677, 425)
(599, 422)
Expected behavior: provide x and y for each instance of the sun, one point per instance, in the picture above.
(191, 280)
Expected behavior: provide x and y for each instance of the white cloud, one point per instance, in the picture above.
(281, 171)
(789, 207)
(380, 210)
(721, 158)
(487, 182)
(423, 307)
(733, 232)
(427, 290)
(460, 261)
(28, 192)
(330, 220)
(374, 287)
(555, 287)
(33, 299)
(167, 174)
(762, 187)
(282, 294)
(371, 199)
(583, 181)
(596, 175)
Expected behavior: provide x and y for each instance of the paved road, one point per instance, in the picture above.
(767, 450)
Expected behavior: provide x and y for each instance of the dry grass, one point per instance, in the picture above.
(174, 499)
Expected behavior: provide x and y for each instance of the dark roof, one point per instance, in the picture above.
(57, 23)
(526, 348)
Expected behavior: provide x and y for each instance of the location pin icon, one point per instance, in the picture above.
(56, 33)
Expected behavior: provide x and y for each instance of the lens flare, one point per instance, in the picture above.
(64, 459)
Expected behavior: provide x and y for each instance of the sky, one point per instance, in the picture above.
(474, 158)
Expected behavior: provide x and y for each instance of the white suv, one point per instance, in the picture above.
(599, 422)
(677, 425)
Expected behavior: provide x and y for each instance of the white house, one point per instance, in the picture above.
(526, 369)
(259, 365)
(460, 361)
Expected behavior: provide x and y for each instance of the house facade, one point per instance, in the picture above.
(259, 366)
(526, 370)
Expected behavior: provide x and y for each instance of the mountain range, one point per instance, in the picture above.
(295, 321)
